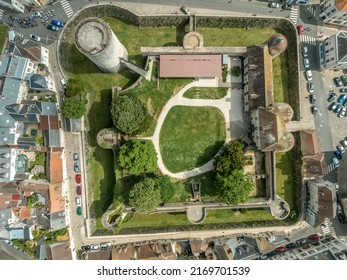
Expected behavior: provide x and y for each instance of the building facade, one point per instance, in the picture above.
(333, 52)
(19, 5)
(334, 12)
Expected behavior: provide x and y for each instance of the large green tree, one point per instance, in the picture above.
(234, 188)
(137, 157)
(128, 113)
(166, 187)
(231, 158)
(74, 88)
(74, 108)
(145, 196)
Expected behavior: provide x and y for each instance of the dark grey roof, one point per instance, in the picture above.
(57, 220)
(14, 50)
(41, 252)
(5, 215)
(73, 125)
(53, 138)
(49, 109)
(243, 248)
(26, 141)
(37, 82)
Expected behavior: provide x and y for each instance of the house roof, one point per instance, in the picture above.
(198, 246)
(49, 109)
(37, 82)
(55, 167)
(24, 213)
(33, 53)
(190, 66)
(53, 138)
(260, 86)
(325, 204)
(5, 215)
(57, 220)
(49, 122)
(124, 253)
(147, 252)
(341, 4)
(309, 142)
(56, 199)
(5, 199)
(341, 39)
(59, 251)
(314, 165)
(99, 255)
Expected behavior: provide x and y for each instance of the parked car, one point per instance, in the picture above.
(314, 109)
(345, 102)
(52, 27)
(338, 108)
(79, 210)
(95, 247)
(337, 187)
(338, 82)
(312, 98)
(105, 245)
(287, 7)
(290, 246)
(78, 178)
(342, 112)
(35, 15)
(338, 155)
(313, 236)
(301, 241)
(343, 90)
(332, 96)
(341, 149)
(185, 10)
(344, 80)
(35, 38)
(332, 106)
(274, 5)
(76, 167)
(306, 63)
(339, 208)
(272, 253)
(280, 250)
(342, 98)
(310, 87)
(344, 143)
(85, 247)
(341, 218)
(75, 157)
(300, 30)
(304, 51)
(335, 161)
(308, 74)
(57, 23)
(79, 190)
(63, 83)
(78, 201)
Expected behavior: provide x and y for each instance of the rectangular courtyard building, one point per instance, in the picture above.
(190, 66)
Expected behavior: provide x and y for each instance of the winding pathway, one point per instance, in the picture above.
(223, 104)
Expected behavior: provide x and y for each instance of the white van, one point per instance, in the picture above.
(308, 75)
(78, 201)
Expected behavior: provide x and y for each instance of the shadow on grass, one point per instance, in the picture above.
(209, 153)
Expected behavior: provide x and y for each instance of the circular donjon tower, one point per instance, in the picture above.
(95, 39)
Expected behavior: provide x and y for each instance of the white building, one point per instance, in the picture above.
(333, 52)
(19, 5)
(334, 12)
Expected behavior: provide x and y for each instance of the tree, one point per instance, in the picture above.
(128, 113)
(235, 71)
(138, 157)
(230, 159)
(145, 196)
(74, 108)
(166, 188)
(234, 188)
(74, 88)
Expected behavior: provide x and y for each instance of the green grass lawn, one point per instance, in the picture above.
(205, 93)
(180, 219)
(3, 36)
(237, 37)
(280, 79)
(284, 177)
(191, 136)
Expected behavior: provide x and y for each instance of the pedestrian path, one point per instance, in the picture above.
(325, 228)
(1, 14)
(67, 8)
(308, 39)
(330, 167)
(294, 15)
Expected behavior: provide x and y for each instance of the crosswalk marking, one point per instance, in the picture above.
(294, 15)
(308, 39)
(330, 167)
(1, 14)
(325, 228)
(67, 8)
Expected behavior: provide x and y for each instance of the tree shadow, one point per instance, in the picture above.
(209, 153)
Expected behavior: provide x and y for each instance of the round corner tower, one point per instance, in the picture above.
(95, 39)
